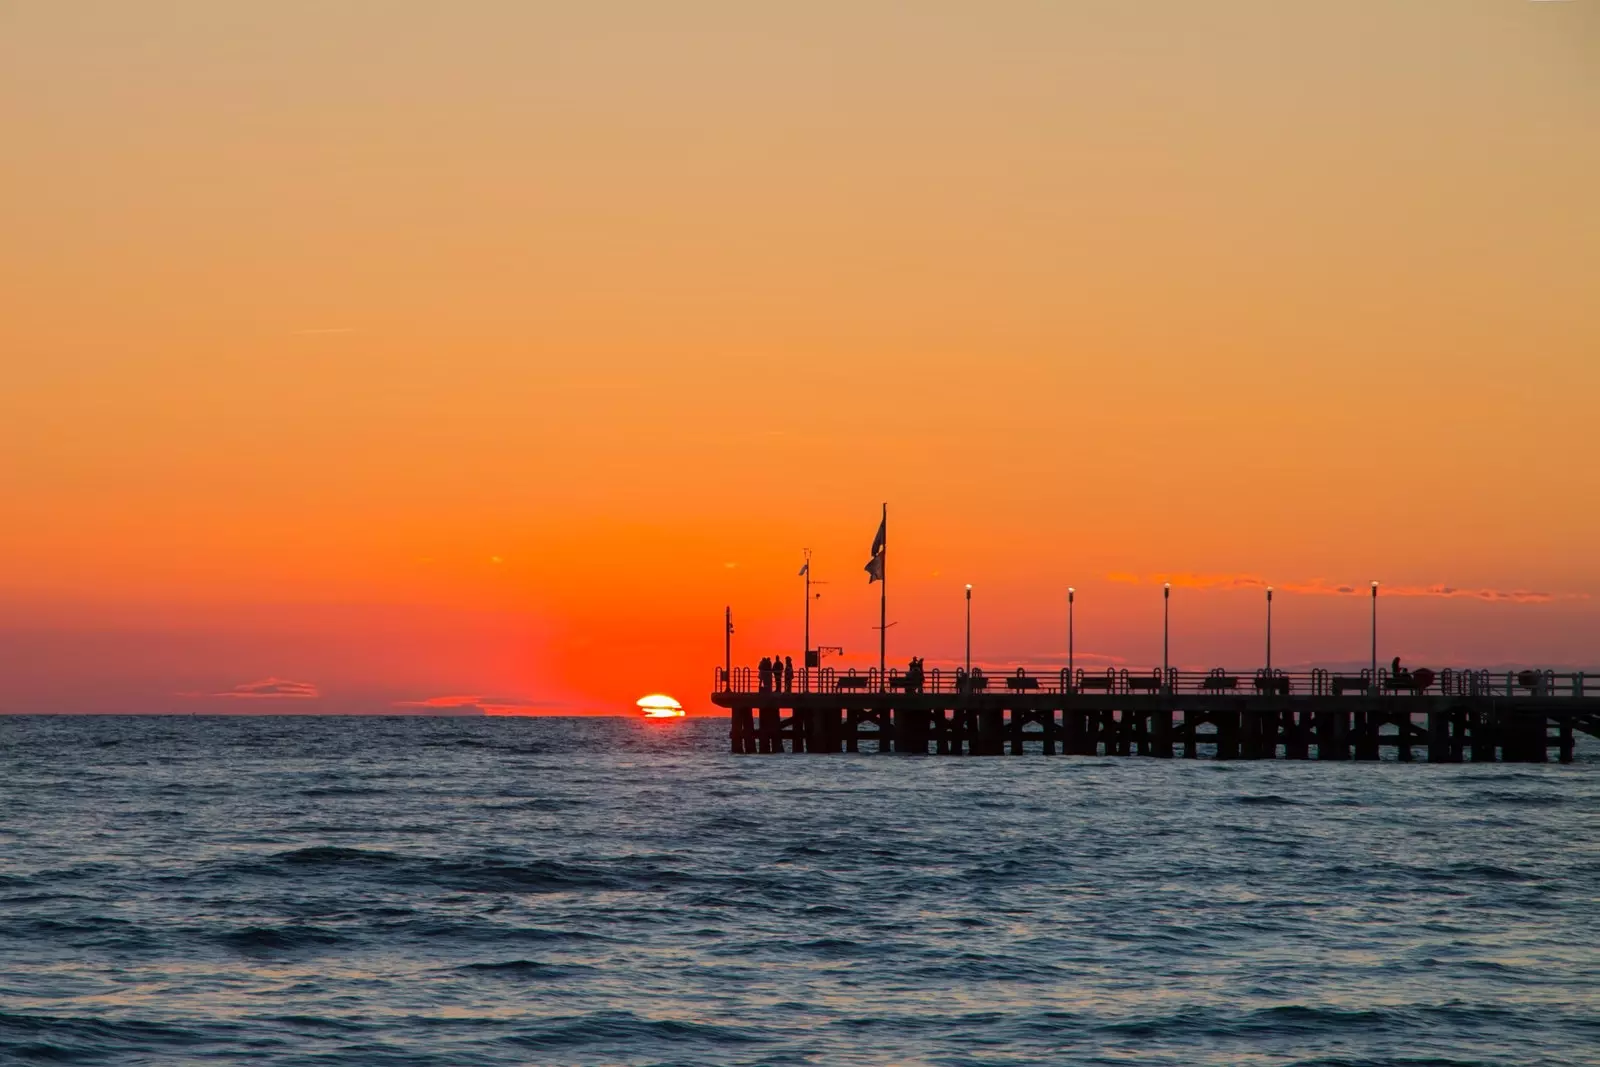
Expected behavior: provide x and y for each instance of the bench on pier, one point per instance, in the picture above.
(1345, 683)
(853, 681)
(906, 685)
(1416, 682)
(1095, 681)
(1218, 682)
(1272, 686)
(1149, 685)
(1021, 681)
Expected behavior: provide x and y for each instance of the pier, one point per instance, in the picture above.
(1450, 716)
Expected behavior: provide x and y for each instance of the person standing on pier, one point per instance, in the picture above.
(788, 674)
(765, 671)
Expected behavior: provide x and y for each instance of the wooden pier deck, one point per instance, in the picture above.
(1471, 715)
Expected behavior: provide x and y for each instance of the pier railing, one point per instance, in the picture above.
(1448, 681)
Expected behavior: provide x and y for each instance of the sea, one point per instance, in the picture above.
(481, 891)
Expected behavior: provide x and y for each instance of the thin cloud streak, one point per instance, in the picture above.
(1323, 587)
(265, 689)
(487, 705)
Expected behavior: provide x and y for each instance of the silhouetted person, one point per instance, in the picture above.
(765, 671)
(788, 675)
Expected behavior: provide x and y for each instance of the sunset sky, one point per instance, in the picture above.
(394, 356)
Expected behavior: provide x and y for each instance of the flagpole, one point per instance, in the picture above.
(883, 602)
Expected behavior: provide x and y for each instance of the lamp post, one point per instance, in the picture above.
(1269, 630)
(805, 572)
(1166, 614)
(969, 628)
(1070, 593)
(1374, 633)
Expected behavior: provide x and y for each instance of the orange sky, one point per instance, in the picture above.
(375, 357)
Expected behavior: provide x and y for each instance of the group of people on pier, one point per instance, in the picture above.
(776, 674)
(914, 675)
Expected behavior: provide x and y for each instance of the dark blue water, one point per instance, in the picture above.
(538, 891)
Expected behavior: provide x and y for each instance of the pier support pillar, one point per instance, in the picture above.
(1366, 735)
(1162, 734)
(1227, 734)
(886, 731)
(990, 739)
(1439, 737)
(1481, 738)
(1522, 740)
(1252, 727)
(1566, 740)
(767, 740)
(1296, 728)
(1071, 732)
(823, 733)
(740, 728)
(911, 730)
(1333, 735)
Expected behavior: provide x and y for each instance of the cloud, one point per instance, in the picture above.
(1323, 587)
(484, 705)
(268, 689)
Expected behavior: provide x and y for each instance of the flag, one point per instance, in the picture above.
(874, 569)
(803, 569)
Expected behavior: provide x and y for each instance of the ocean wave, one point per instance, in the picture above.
(1505, 798)
(617, 1029)
(44, 1038)
(271, 939)
(473, 874)
(526, 969)
(343, 791)
(1266, 800)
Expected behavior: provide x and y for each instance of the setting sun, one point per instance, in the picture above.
(660, 706)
